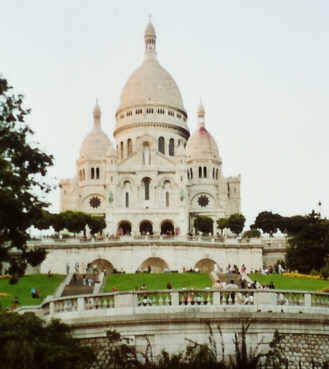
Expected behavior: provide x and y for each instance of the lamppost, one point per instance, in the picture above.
(319, 204)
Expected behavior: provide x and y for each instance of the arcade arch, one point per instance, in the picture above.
(102, 265)
(167, 227)
(154, 265)
(124, 227)
(206, 265)
(146, 227)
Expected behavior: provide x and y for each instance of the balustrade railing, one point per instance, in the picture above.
(186, 297)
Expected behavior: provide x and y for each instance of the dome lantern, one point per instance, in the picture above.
(97, 115)
(201, 116)
(150, 39)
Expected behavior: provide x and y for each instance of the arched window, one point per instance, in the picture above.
(200, 172)
(205, 172)
(213, 173)
(92, 173)
(167, 199)
(161, 145)
(171, 147)
(217, 173)
(146, 182)
(188, 174)
(121, 150)
(97, 173)
(191, 170)
(127, 199)
(130, 146)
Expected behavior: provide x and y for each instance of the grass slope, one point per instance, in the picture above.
(288, 283)
(44, 284)
(126, 282)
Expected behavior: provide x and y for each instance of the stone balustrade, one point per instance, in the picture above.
(150, 301)
(143, 238)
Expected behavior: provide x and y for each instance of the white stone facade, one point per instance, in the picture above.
(157, 178)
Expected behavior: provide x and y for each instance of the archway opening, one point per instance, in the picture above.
(124, 228)
(101, 265)
(206, 266)
(153, 265)
(167, 227)
(146, 227)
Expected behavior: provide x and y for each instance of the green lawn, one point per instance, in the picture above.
(126, 282)
(288, 283)
(44, 284)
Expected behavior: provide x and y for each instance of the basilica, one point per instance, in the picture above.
(157, 177)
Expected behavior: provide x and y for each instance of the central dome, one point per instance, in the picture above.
(151, 84)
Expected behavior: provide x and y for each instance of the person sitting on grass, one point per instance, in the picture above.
(33, 292)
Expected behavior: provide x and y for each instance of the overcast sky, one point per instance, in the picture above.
(260, 67)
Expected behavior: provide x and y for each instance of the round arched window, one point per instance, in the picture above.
(95, 202)
(203, 201)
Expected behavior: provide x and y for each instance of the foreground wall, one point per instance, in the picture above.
(305, 339)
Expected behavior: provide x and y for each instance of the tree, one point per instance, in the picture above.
(96, 224)
(252, 233)
(236, 223)
(308, 245)
(203, 224)
(222, 223)
(268, 222)
(22, 168)
(27, 342)
(75, 221)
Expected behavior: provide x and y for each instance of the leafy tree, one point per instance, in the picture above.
(27, 343)
(222, 223)
(44, 221)
(57, 222)
(252, 233)
(309, 246)
(268, 222)
(22, 168)
(236, 223)
(203, 224)
(75, 221)
(96, 224)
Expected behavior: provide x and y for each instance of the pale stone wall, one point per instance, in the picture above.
(131, 255)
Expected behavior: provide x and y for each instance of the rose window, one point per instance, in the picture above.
(203, 201)
(95, 202)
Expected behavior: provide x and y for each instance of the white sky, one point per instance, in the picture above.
(260, 67)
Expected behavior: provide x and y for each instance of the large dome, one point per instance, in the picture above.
(151, 84)
(201, 145)
(96, 144)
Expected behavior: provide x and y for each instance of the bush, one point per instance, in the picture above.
(324, 271)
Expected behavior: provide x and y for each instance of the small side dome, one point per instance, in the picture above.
(96, 144)
(201, 145)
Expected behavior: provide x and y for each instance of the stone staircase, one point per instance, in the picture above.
(227, 277)
(76, 286)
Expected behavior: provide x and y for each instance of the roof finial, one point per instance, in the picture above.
(201, 115)
(150, 38)
(97, 115)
